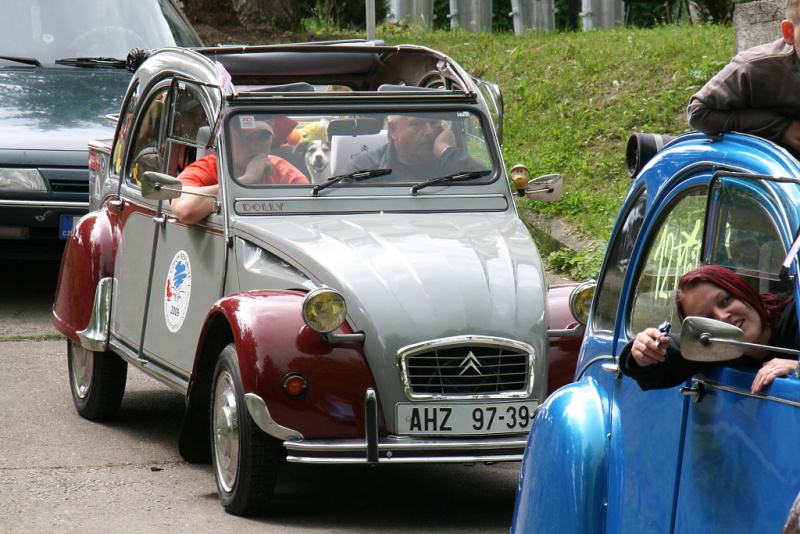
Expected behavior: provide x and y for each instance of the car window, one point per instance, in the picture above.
(322, 146)
(745, 238)
(56, 29)
(190, 132)
(609, 288)
(125, 125)
(148, 150)
(674, 250)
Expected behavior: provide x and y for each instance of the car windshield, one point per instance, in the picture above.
(48, 30)
(312, 149)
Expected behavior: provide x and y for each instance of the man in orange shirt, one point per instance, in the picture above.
(252, 141)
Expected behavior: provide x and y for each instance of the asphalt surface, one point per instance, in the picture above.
(61, 473)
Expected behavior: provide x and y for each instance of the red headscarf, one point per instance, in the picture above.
(768, 306)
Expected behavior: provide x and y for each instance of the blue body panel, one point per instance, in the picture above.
(605, 456)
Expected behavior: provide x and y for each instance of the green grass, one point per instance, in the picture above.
(573, 99)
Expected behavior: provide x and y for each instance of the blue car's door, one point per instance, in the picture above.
(738, 470)
(644, 444)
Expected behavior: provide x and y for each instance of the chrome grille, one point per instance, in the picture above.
(458, 367)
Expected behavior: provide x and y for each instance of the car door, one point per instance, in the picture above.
(646, 426)
(168, 273)
(738, 471)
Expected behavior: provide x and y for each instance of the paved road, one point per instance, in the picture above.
(60, 473)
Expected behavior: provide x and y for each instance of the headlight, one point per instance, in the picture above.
(580, 301)
(21, 180)
(324, 310)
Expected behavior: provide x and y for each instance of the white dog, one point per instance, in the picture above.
(318, 157)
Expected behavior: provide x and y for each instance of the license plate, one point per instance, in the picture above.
(67, 224)
(465, 419)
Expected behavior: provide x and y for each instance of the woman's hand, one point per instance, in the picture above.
(649, 347)
(771, 370)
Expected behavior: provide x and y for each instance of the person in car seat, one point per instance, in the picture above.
(418, 148)
(252, 141)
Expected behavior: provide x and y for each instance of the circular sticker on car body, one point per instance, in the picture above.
(178, 290)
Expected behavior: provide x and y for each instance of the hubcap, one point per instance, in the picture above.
(82, 361)
(226, 431)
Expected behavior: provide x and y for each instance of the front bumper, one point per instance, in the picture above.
(396, 450)
(374, 449)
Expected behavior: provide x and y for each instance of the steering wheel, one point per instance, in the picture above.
(100, 37)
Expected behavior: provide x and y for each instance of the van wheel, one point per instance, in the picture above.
(97, 380)
(245, 458)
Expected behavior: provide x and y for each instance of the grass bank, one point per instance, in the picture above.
(572, 100)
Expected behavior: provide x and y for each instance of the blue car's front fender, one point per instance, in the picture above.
(563, 487)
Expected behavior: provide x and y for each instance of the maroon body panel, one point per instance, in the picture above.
(272, 341)
(563, 350)
(88, 257)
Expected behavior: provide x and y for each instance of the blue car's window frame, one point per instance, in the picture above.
(611, 283)
(673, 246)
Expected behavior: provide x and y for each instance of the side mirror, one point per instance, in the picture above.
(546, 188)
(160, 186)
(709, 340)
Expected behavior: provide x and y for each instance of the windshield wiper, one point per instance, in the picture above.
(93, 62)
(24, 60)
(463, 176)
(357, 176)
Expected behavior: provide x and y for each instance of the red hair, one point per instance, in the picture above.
(768, 306)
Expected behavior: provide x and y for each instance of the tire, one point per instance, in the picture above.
(245, 459)
(97, 381)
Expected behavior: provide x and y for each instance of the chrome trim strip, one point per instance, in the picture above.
(260, 414)
(444, 342)
(403, 450)
(743, 392)
(95, 336)
(45, 203)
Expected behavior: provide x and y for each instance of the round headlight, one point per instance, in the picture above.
(324, 310)
(580, 301)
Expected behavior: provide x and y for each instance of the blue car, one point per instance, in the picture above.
(707, 455)
(62, 73)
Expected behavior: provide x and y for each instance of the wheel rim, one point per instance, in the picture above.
(81, 364)
(226, 431)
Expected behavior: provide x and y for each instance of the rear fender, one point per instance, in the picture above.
(89, 256)
(562, 484)
(273, 342)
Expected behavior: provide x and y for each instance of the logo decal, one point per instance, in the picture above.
(470, 362)
(177, 291)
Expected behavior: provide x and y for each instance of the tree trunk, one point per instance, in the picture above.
(212, 12)
(277, 14)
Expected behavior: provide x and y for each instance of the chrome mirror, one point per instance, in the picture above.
(160, 186)
(549, 187)
(709, 340)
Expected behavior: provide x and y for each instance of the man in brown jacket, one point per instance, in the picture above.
(757, 93)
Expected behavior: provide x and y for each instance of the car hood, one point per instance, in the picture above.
(54, 108)
(409, 278)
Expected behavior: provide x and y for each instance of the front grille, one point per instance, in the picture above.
(460, 367)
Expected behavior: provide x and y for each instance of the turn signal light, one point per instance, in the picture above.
(295, 385)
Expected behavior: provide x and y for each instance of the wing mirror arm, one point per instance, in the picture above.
(708, 340)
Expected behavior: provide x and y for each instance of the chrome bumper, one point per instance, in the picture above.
(396, 450)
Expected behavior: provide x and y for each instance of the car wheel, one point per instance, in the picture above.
(97, 380)
(245, 458)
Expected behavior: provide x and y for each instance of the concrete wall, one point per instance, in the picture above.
(758, 23)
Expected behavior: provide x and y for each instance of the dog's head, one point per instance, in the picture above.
(317, 155)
